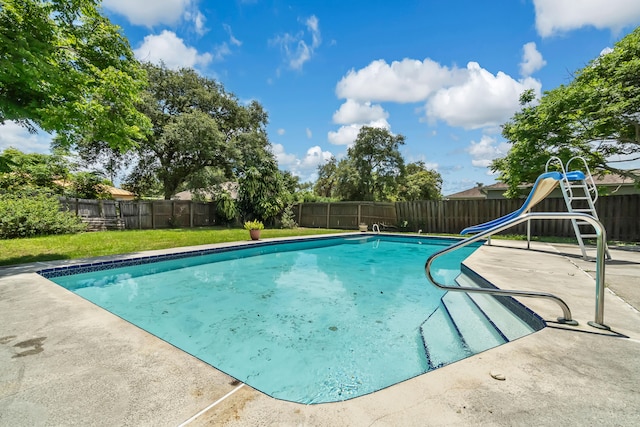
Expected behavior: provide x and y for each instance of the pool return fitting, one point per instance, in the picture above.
(566, 319)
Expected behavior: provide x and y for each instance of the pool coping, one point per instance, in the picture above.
(559, 374)
(127, 260)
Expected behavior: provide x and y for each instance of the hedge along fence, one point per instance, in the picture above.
(620, 215)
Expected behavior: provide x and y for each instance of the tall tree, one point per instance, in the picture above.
(65, 68)
(326, 184)
(199, 133)
(420, 183)
(596, 116)
(264, 190)
(377, 161)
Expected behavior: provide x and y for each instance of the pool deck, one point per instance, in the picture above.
(65, 361)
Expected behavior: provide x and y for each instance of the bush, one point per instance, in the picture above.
(226, 207)
(288, 218)
(35, 215)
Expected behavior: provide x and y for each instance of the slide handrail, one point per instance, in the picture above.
(601, 239)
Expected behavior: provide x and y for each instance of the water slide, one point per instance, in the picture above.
(543, 186)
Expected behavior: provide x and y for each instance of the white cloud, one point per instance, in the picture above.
(281, 131)
(220, 51)
(483, 100)
(296, 50)
(315, 157)
(16, 136)
(355, 112)
(172, 50)
(305, 168)
(234, 41)
(309, 133)
(347, 134)
(198, 20)
(557, 16)
(409, 80)
(149, 13)
(486, 150)
(284, 159)
(532, 60)
(470, 97)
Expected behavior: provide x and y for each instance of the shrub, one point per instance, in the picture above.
(226, 207)
(39, 214)
(288, 218)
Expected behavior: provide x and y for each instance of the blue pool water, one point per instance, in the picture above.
(309, 321)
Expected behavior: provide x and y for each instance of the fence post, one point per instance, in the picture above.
(191, 213)
(359, 213)
(328, 216)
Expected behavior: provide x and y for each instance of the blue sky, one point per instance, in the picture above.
(445, 74)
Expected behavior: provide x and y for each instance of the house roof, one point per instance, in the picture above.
(472, 193)
(480, 192)
(115, 192)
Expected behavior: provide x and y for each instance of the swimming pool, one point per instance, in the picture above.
(311, 321)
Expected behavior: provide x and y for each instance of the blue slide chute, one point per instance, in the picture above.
(543, 186)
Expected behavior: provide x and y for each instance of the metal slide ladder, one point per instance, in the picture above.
(580, 196)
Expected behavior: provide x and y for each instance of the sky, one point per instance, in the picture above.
(445, 74)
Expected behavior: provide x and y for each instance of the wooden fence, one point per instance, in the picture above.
(620, 215)
(141, 214)
(344, 215)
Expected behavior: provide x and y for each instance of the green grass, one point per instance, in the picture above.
(86, 245)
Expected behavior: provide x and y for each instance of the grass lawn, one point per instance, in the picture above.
(86, 245)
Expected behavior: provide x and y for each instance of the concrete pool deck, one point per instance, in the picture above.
(65, 361)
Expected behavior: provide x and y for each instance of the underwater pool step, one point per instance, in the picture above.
(441, 339)
(473, 324)
(509, 324)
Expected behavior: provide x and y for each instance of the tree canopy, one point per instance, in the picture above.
(22, 172)
(596, 116)
(66, 68)
(196, 125)
(31, 173)
(420, 183)
(374, 169)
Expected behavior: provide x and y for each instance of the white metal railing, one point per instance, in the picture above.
(601, 239)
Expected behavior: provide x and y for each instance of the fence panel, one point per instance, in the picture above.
(203, 214)
(620, 215)
(312, 215)
(345, 215)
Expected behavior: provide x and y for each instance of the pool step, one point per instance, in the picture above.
(509, 324)
(441, 339)
(473, 324)
(467, 324)
(457, 329)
